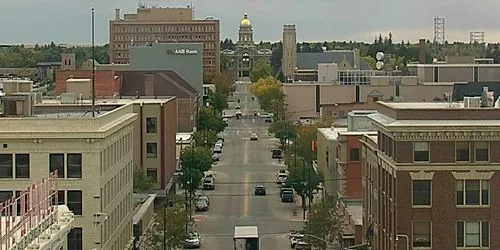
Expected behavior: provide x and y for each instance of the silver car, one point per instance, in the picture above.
(193, 240)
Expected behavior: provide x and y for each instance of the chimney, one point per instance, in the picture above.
(421, 51)
(117, 14)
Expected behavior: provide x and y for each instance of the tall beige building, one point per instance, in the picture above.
(164, 25)
(289, 62)
(93, 157)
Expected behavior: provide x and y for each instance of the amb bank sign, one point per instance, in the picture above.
(182, 51)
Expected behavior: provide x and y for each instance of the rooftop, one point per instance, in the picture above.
(332, 133)
(355, 209)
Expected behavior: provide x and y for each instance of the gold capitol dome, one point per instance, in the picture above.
(245, 21)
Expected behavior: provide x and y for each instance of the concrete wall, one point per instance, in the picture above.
(163, 57)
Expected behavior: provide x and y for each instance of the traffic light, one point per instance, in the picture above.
(238, 100)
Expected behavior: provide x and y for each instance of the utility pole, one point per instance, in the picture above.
(165, 227)
(93, 63)
(304, 185)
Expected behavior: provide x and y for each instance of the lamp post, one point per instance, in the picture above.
(407, 240)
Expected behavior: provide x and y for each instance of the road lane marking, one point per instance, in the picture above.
(245, 192)
(245, 153)
(237, 132)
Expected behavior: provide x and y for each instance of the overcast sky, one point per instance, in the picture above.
(68, 21)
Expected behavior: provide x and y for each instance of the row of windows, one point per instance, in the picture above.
(467, 193)
(464, 152)
(17, 165)
(116, 151)
(163, 28)
(113, 187)
(117, 216)
(207, 39)
(71, 198)
(469, 234)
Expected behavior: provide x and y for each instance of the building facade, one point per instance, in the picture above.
(289, 47)
(93, 157)
(164, 25)
(430, 175)
(154, 132)
(246, 54)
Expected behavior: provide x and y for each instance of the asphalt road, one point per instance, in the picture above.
(243, 165)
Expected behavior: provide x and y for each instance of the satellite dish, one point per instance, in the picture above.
(379, 65)
(435, 60)
(380, 56)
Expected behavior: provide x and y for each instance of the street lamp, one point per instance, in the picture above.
(407, 240)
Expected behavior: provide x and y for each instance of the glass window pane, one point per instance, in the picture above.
(472, 192)
(482, 151)
(421, 234)
(485, 194)
(421, 193)
(485, 234)
(472, 234)
(421, 146)
(462, 151)
(460, 192)
(460, 234)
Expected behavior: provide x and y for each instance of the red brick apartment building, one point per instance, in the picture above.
(429, 177)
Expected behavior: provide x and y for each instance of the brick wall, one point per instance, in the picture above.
(170, 128)
(352, 173)
(105, 84)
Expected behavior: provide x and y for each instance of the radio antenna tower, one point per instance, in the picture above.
(477, 37)
(439, 30)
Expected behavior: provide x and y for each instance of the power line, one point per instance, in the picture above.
(274, 182)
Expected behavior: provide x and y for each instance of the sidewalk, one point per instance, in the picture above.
(298, 203)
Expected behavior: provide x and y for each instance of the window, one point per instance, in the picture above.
(422, 234)
(482, 151)
(22, 166)
(75, 201)
(354, 154)
(462, 151)
(5, 165)
(473, 192)
(60, 198)
(151, 150)
(74, 163)
(421, 193)
(5, 195)
(56, 162)
(75, 239)
(151, 125)
(473, 234)
(152, 173)
(421, 151)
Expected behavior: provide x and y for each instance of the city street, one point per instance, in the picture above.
(243, 165)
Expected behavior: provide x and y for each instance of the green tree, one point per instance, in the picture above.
(306, 134)
(281, 76)
(205, 138)
(260, 70)
(302, 178)
(142, 183)
(324, 222)
(282, 130)
(218, 100)
(170, 228)
(224, 81)
(194, 161)
(209, 120)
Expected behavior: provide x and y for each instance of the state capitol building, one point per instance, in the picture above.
(246, 54)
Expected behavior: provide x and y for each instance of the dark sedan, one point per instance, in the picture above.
(260, 190)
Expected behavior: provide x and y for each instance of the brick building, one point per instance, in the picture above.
(164, 25)
(429, 177)
(105, 82)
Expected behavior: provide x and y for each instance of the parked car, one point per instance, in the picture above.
(285, 188)
(209, 183)
(220, 136)
(215, 157)
(287, 196)
(277, 154)
(295, 239)
(254, 136)
(193, 240)
(217, 149)
(219, 143)
(201, 206)
(281, 178)
(260, 190)
(301, 245)
(237, 106)
(204, 198)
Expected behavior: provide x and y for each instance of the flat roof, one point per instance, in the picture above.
(332, 133)
(117, 101)
(391, 122)
(422, 105)
(246, 232)
(453, 65)
(71, 114)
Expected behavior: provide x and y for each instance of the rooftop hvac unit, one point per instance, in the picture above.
(472, 102)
